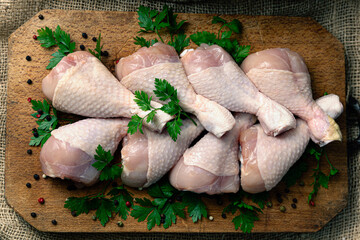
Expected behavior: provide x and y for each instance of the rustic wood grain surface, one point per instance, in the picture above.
(323, 54)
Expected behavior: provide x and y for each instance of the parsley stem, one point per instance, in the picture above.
(220, 30)
(186, 115)
(157, 32)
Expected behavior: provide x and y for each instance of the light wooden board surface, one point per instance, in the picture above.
(323, 54)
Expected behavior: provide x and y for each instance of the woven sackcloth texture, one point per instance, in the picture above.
(341, 18)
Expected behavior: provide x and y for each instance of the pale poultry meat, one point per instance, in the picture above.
(82, 85)
(265, 160)
(215, 75)
(212, 165)
(139, 70)
(69, 152)
(282, 75)
(148, 157)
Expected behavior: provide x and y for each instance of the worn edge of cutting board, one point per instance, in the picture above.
(303, 219)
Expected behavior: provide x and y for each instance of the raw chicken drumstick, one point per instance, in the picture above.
(139, 70)
(148, 157)
(283, 76)
(214, 74)
(212, 165)
(69, 152)
(82, 85)
(265, 160)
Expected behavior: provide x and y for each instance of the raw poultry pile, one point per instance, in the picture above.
(223, 98)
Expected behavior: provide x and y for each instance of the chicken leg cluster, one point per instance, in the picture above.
(270, 86)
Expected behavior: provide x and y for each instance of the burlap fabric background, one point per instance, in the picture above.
(341, 18)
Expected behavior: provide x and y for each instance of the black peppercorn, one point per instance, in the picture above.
(82, 47)
(41, 17)
(114, 184)
(162, 220)
(36, 134)
(94, 39)
(40, 111)
(29, 81)
(116, 202)
(28, 58)
(293, 205)
(223, 215)
(279, 199)
(295, 200)
(28, 185)
(29, 151)
(71, 187)
(104, 53)
(34, 129)
(171, 200)
(287, 190)
(33, 214)
(73, 213)
(84, 35)
(278, 195)
(178, 198)
(36, 177)
(54, 222)
(48, 117)
(162, 216)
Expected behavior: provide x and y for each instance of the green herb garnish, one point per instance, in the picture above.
(103, 160)
(165, 204)
(165, 92)
(49, 38)
(248, 213)
(97, 51)
(151, 20)
(45, 126)
(237, 51)
(320, 178)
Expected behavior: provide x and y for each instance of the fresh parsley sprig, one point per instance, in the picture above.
(165, 92)
(165, 209)
(320, 178)
(237, 51)
(248, 213)
(151, 20)
(49, 38)
(114, 202)
(103, 159)
(97, 51)
(46, 122)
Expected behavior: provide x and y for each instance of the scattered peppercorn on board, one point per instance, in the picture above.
(323, 54)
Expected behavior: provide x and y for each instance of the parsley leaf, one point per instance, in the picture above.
(143, 100)
(180, 42)
(104, 211)
(49, 38)
(143, 43)
(46, 38)
(152, 21)
(103, 160)
(196, 207)
(46, 122)
(320, 178)
(248, 213)
(164, 91)
(97, 51)
(163, 204)
(121, 195)
(173, 128)
(238, 52)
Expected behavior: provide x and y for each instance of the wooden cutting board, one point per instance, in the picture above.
(323, 54)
